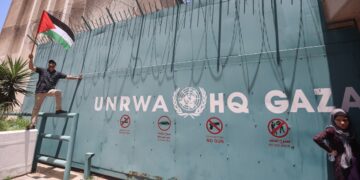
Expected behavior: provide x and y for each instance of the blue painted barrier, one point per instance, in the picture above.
(252, 119)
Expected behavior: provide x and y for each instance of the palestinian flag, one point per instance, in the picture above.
(56, 30)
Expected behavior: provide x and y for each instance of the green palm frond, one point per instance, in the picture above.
(14, 78)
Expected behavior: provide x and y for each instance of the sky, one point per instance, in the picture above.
(4, 7)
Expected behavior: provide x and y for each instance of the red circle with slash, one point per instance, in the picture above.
(278, 128)
(214, 125)
(125, 121)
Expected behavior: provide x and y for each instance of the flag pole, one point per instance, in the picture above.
(37, 33)
(33, 47)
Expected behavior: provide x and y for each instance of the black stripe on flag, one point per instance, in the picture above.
(63, 26)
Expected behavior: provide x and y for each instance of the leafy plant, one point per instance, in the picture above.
(14, 77)
(13, 124)
(7, 178)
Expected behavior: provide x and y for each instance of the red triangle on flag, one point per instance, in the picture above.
(45, 23)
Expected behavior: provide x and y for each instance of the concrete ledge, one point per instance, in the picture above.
(16, 152)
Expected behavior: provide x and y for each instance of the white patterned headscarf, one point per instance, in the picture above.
(344, 136)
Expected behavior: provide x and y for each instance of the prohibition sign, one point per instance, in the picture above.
(214, 125)
(278, 128)
(164, 123)
(125, 121)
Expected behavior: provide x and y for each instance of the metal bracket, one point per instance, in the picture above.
(87, 167)
(110, 15)
(86, 23)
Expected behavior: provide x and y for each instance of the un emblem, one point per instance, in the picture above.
(189, 101)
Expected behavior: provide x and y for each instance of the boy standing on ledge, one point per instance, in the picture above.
(45, 86)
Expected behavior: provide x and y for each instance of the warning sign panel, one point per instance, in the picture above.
(279, 130)
(164, 124)
(214, 126)
(125, 122)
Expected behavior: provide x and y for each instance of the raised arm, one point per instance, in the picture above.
(71, 77)
(31, 63)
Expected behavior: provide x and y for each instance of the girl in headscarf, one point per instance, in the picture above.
(337, 140)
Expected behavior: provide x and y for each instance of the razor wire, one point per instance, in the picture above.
(163, 22)
(123, 10)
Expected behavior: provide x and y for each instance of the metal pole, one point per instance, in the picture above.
(38, 143)
(175, 36)
(276, 33)
(71, 147)
(110, 15)
(219, 37)
(111, 40)
(141, 11)
(86, 23)
(138, 46)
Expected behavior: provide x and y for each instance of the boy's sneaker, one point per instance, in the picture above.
(60, 112)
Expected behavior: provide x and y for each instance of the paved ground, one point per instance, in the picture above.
(53, 173)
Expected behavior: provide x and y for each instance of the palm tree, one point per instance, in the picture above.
(14, 77)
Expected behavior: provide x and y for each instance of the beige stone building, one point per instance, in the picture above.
(24, 15)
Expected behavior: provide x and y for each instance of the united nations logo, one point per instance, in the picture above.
(189, 101)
